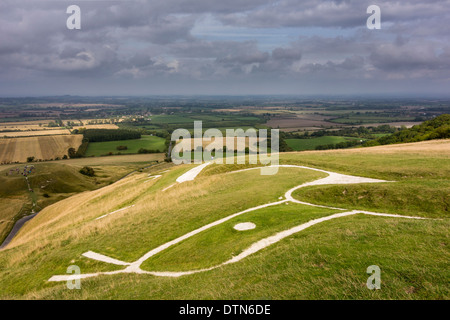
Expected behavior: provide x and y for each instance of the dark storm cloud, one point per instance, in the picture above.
(153, 42)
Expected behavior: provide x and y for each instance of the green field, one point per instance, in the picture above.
(164, 122)
(311, 144)
(325, 261)
(360, 119)
(146, 142)
(190, 117)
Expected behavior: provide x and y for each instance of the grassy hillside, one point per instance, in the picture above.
(54, 181)
(325, 261)
(437, 128)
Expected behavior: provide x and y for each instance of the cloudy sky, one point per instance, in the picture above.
(147, 47)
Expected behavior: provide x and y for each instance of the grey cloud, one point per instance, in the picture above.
(248, 58)
(153, 41)
(291, 54)
(410, 57)
(341, 14)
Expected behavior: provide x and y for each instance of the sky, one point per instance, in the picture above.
(227, 47)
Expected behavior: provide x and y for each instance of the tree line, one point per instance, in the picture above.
(437, 128)
(101, 135)
(360, 132)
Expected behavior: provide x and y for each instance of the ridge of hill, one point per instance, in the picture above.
(437, 128)
(102, 230)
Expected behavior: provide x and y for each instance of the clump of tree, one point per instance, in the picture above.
(81, 150)
(340, 145)
(283, 146)
(143, 150)
(30, 159)
(122, 148)
(87, 171)
(437, 128)
(359, 132)
(100, 135)
(78, 131)
(72, 152)
(52, 124)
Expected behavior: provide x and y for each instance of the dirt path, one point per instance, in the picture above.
(191, 174)
(332, 178)
(16, 229)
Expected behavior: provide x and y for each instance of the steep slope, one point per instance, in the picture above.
(327, 260)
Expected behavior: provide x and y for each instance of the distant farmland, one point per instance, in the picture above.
(133, 146)
(40, 147)
(294, 122)
(46, 132)
(311, 144)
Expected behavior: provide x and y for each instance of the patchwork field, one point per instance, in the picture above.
(97, 126)
(296, 251)
(40, 127)
(133, 145)
(188, 144)
(311, 144)
(43, 147)
(294, 122)
(25, 125)
(26, 133)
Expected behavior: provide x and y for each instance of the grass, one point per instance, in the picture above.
(420, 184)
(412, 197)
(221, 243)
(163, 217)
(325, 261)
(311, 144)
(206, 118)
(9, 209)
(146, 142)
(59, 180)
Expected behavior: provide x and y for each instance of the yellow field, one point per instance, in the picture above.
(46, 132)
(44, 147)
(30, 128)
(39, 127)
(432, 147)
(24, 125)
(97, 126)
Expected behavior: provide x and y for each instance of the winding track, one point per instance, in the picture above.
(19, 224)
(332, 178)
